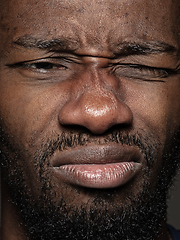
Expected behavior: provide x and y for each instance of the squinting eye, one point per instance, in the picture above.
(150, 71)
(50, 69)
(43, 66)
(141, 72)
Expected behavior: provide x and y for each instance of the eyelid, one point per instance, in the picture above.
(53, 59)
(60, 70)
(142, 72)
(153, 68)
(27, 69)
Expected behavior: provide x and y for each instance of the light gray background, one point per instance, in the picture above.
(174, 204)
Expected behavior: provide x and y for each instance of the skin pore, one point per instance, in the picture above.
(80, 80)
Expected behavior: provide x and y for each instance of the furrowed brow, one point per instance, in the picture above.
(122, 49)
(57, 44)
(143, 48)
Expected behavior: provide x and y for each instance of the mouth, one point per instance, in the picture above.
(103, 166)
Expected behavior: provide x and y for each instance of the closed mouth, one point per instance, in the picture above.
(103, 166)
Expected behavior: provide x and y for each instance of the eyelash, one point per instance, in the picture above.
(142, 71)
(151, 69)
(49, 69)
(42, 67)
(45, 65)
(131, 71)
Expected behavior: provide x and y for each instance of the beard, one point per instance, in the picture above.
(136, 215)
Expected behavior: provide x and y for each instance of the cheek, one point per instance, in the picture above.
(28, 109)
(155, 106)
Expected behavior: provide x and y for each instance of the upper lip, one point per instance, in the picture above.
(97, 154)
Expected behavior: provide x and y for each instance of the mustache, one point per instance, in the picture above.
(141, 140)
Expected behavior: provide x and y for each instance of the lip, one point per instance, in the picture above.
(97, 166)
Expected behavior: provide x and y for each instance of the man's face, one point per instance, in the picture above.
(89, 101)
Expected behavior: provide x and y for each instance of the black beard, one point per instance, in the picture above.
(140, 219)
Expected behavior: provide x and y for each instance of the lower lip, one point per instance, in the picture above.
(98, 175)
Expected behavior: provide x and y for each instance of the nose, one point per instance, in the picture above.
(96, 107)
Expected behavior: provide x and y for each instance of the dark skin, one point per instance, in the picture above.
(89, 78)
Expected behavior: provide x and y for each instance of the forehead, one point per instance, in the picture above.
(99, 23)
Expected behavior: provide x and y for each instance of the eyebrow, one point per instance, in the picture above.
(143, 48)
(56, 44)
(122, 48)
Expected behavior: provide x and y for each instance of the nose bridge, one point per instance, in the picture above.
(96, 77)
(93, 103)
